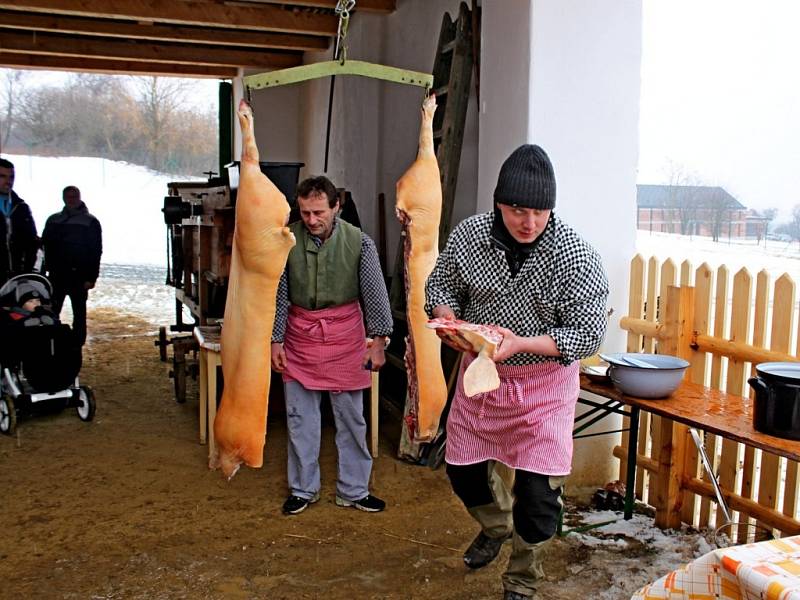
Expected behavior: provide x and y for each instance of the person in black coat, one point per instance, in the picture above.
(73, 245)
(18, 239)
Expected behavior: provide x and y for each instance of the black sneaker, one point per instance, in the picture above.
(508, 595)
(484, 550)
(367, 503)
(296, 504)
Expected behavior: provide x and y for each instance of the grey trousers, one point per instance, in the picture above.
(304, 423)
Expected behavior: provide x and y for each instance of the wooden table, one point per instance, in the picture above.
(208, 339)
(694, 405)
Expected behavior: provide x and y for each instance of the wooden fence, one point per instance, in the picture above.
(723, 326)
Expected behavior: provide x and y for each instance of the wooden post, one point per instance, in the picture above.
(203, 402)
(678, 311)
(382, 231)
(214, 360)
(635, 310)
(697, 374)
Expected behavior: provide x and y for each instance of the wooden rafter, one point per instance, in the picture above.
(107, 48)
(254, 16)
(164, 33)
(377, 6)
(112, 67)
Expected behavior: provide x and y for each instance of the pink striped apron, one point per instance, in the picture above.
(526, 423)
(325, 348)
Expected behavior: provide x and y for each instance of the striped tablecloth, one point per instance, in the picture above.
(763, 571)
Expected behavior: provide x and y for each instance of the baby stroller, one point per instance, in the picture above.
(39, 358)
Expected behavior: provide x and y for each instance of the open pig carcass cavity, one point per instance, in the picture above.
(481, 374)
(418, 208)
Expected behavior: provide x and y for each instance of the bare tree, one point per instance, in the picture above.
(793, 227)
(147, 123)
(769, 215)
(12, 87)
(718, 210)
(682, 196)
(159, 100)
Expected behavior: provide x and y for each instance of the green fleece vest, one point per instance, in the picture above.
(325, 276)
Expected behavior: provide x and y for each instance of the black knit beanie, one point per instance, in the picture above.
(526, 179)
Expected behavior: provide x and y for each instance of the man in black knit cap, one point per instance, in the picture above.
(509, 451)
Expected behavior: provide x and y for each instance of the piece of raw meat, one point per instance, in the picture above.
(261, 244)
(419, 209)
(481, 374)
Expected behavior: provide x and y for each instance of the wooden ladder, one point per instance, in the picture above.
(452, 78)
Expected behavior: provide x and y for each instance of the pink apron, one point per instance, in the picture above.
(325, 348)
(525, 424)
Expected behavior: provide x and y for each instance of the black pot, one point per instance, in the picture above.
(776, 409)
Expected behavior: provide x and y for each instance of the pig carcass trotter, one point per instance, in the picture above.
(261, 244)
(419, 209)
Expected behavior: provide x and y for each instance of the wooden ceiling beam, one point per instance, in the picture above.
(260, 17)
(164, 33)
(47, 43)
(376, 6)
(112, 67)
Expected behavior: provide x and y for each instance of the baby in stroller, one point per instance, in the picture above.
(39, 358)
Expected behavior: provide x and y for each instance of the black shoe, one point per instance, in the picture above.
(483, 550)
(515, 596)
(296, 504)
(367, 503)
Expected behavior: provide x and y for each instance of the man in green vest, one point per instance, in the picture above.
(320, 343)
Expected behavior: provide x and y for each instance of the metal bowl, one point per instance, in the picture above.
(645, 375)
(596, 373)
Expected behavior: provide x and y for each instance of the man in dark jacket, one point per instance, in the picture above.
(73, 244)
(18, 240)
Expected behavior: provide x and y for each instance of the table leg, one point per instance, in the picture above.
(373, 414)
(630, 476)
(203, 402)
(213, 363)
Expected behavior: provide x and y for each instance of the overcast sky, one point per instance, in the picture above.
(721, 96)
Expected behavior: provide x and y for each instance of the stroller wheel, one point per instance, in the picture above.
(86, 404)
(8, 415)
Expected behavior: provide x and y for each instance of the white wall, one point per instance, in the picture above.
(505, 81)
(584, 107)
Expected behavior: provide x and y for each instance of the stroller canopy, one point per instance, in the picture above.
(17, 290)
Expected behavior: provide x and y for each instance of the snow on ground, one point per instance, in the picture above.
(777, 257)
(127, 199)
(634, 552)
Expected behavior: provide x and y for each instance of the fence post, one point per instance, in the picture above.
(678, 321)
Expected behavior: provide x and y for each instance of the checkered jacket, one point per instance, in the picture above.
(560, 291)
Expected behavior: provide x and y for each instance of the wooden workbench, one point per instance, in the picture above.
(705, 408)
(714, 411)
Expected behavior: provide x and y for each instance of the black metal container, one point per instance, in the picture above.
(776, 409)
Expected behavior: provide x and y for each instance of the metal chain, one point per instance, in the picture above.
(343, 9)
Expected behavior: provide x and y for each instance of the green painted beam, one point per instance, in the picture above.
(225, 125)
(335, 67)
